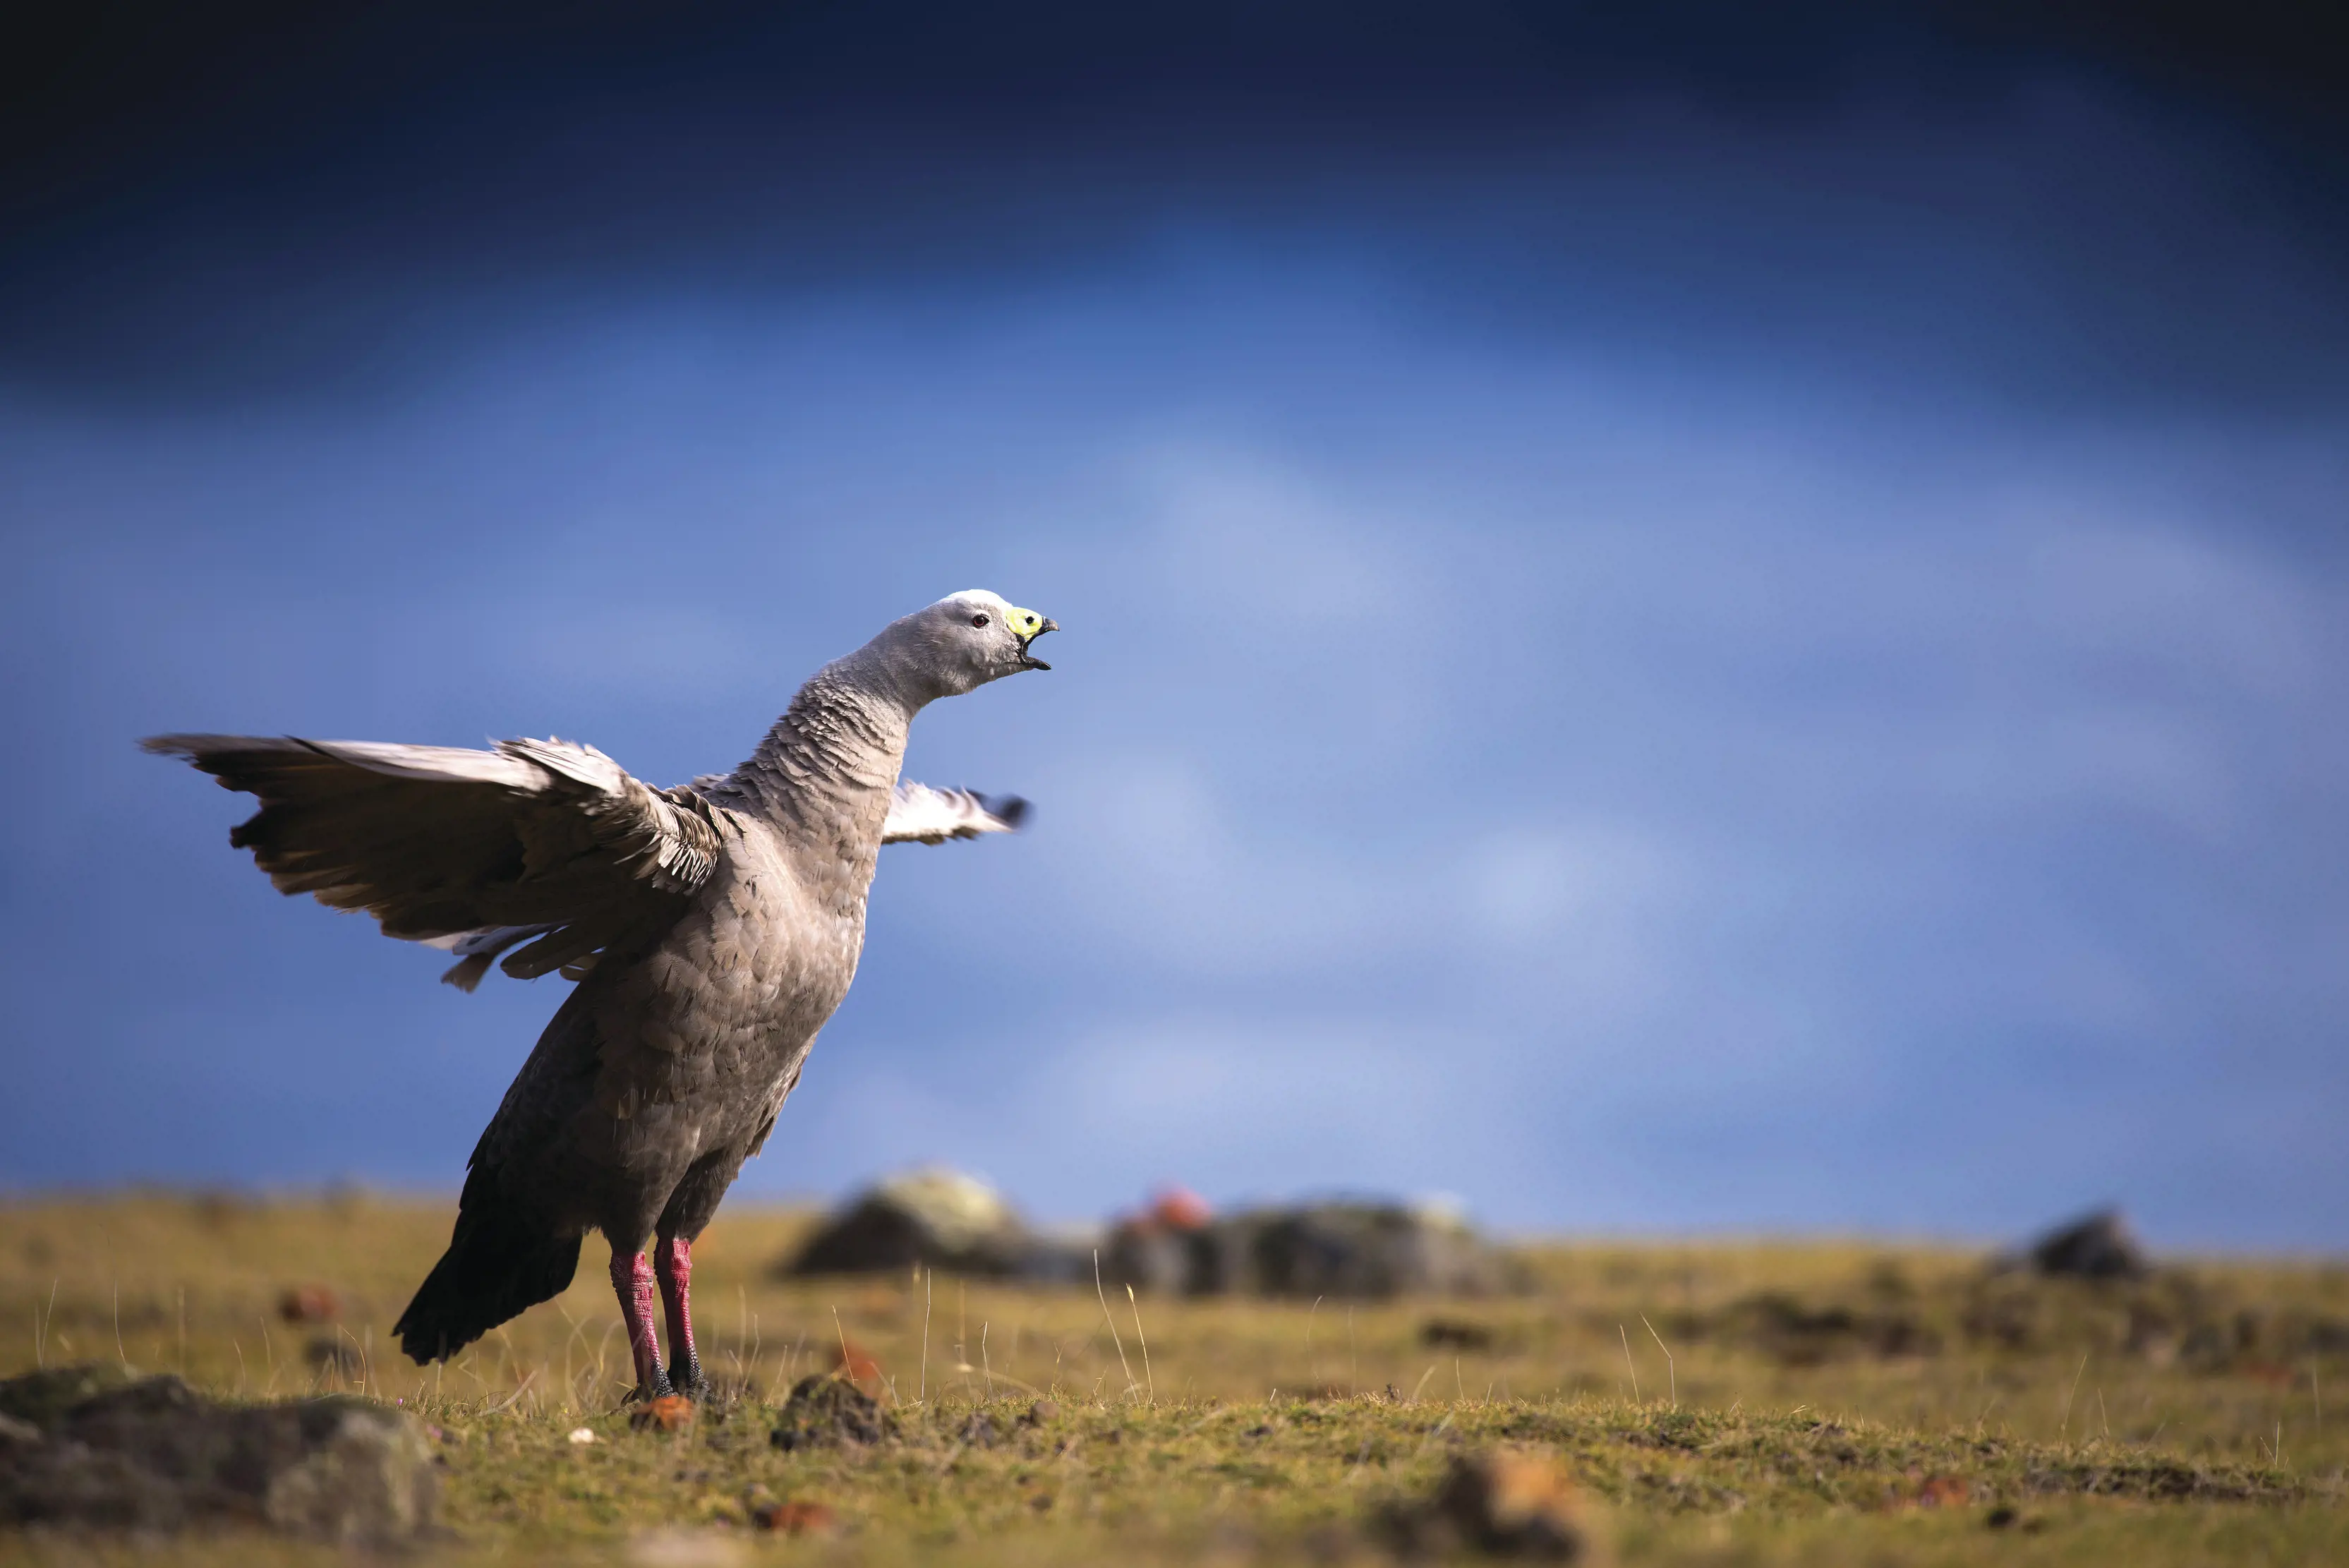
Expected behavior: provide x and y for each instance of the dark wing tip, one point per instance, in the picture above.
(1011, 809)
(194, 747)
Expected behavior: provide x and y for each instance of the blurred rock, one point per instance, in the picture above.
(1180, 1209)
(1455, 1334)
(152, 1454)
(1358, 1251)
(40, 1399)
(330, 1353)
(938, 1218)
(1799, 1334)
(2098, 1246)
(1170, 1247)
(1340, 1251)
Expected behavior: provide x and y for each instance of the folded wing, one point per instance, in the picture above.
(542, 842)
(918, 814)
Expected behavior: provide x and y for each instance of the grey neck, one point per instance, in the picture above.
(828, 767)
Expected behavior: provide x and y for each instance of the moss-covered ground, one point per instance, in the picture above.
(1729, 1402)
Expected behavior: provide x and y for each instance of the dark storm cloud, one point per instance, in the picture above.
(2068, 202)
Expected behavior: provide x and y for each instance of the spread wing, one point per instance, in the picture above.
(917, 811)
(537, 841)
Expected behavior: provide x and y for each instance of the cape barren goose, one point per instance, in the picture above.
(712, 930)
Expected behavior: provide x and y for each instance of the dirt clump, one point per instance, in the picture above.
(824, 1412)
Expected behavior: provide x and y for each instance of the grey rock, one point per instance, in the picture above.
(1344, 1250)
(937, 1217)
(153, 1455)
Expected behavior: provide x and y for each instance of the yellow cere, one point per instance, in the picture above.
(1025, 622)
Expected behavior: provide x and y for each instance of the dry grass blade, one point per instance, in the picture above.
(1114, 1339)
(1150, 1376)
(1671, 1371)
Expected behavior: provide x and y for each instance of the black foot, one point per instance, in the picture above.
(661, 1389)
(690, 1383)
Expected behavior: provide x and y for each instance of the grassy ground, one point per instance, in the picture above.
(1724, 1403)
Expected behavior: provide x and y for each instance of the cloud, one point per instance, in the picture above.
(1496, 767)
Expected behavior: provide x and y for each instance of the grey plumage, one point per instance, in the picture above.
(712, 929)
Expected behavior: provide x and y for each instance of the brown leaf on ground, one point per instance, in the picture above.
(309, 1304)
(796, 1518)
(1503, 1502)
(855, 1363)
(670, 1413)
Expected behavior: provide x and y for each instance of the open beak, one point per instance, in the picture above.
(1029, 660)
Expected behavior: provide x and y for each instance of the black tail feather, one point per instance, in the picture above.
(499, 1263)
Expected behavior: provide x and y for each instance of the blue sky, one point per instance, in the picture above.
(1671, 672)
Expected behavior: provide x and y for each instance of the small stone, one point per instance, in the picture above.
(582, 1436)
(1042, 1411)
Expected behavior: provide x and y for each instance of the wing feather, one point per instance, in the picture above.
(484, 851)
(920, 814)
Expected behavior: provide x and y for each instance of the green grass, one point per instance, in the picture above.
(1810, 1393)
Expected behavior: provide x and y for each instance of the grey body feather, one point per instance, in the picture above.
(712, 930)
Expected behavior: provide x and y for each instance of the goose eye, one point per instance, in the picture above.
(978, 620)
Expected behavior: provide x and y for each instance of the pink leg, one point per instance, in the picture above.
(674, 1259)
(632, 1278)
